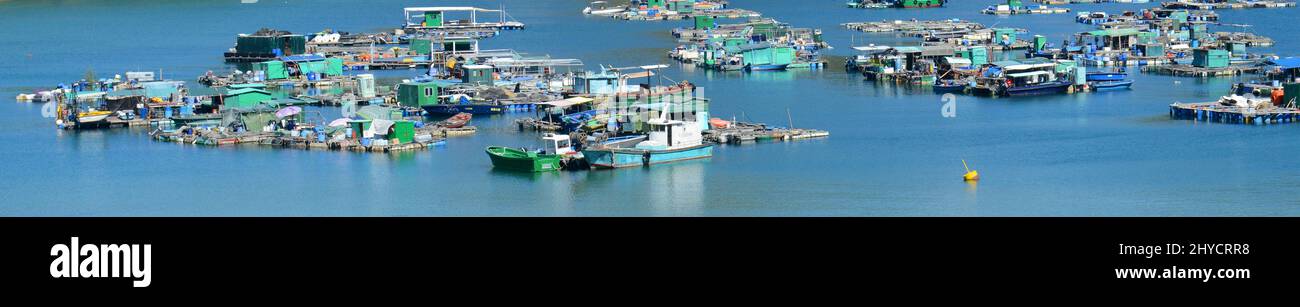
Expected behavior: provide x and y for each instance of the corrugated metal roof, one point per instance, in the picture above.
(246, 91)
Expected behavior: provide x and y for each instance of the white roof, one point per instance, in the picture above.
(957, 60)
(447, 8)
(1029, 66)
(1028, 74)
(870, 48)
(476, 66)
(555, 137)
(568, 102)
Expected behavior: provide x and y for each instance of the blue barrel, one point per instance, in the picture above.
(365, 142)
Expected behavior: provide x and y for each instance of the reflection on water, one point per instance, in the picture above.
(677, 189)
(971, 188)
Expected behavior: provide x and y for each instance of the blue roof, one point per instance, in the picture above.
(1287, 63)
(303, 58)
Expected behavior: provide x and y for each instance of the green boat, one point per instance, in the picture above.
(519, 160)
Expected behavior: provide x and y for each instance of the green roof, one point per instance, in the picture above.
(247, 85)
(246, 91)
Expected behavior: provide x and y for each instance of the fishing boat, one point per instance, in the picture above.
(92, 117)
(1045, 88)
(457, 108)
(552, 158)
(763, 67)
(1110, 85)
(520, 160)
(1036, 82)
(456, 121)
(669, 141)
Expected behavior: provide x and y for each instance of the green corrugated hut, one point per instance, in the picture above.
(979, 56)
(358, 128)
(704, 22)
(245, 98)
(1210, 58)
(421, 46)
(1004, 36)
(480, 74)
(1290, 92)
(403, 131)
(417, 94)
(273, 70)
(433, 19)
(770, 55)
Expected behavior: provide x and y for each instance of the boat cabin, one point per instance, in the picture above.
(1031, 78)
(671, 134)
(558, 144)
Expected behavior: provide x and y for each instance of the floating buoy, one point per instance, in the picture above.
(970, 175)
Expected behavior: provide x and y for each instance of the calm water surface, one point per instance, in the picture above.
(891, 153)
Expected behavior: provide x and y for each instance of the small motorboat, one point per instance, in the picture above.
(602, 8)
(1111, 85)
(552, 158)
(520, 160)
(456, 121)
(949, 86)
(719, 123)
(91, 117)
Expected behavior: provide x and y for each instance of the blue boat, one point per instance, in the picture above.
(766, 67)
(669, 141)
(1106, 76)
(471, 108)
(1055, 87)
(1036, 82)
(949, 86)
(1110, 85)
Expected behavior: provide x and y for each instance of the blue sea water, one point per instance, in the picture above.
(891, 152)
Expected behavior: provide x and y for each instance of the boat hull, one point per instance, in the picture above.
(631, 157)
(92, 119)
(766, 67)
(946, 88)
(1099, 77)
(453, 109)
(1111, 85)
(1041, 89)
(517, 160)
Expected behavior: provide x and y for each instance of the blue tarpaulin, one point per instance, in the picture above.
(1287, 63)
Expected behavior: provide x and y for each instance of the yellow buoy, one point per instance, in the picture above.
(970, 175)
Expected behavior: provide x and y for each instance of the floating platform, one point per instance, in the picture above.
(1219, 113)
(743, 133)
(1184, 70)
(1197, 5)
(914, 27)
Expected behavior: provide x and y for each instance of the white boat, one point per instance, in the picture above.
(602, 8)
(92, 116)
